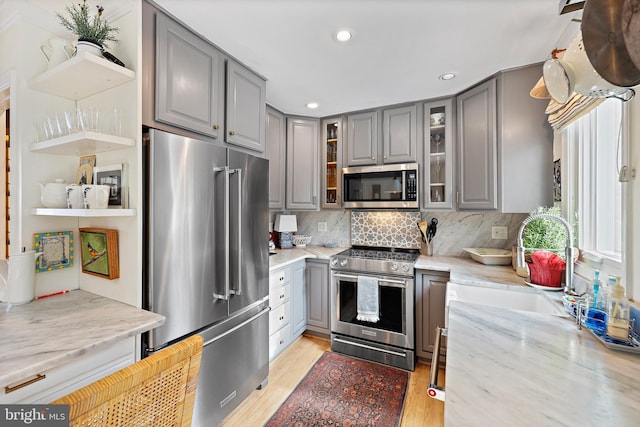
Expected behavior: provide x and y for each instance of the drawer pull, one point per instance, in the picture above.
(8, 389)
(231, 133)
(281, 341)
(281, 317)
(281, 296)
(216, 127)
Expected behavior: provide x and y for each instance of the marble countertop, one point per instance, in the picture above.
(285, 257)
(507, 367)
(49, 332)
(465, 271)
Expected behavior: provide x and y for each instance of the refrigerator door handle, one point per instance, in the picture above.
(225, 296)
(238, 290)
(235, 328)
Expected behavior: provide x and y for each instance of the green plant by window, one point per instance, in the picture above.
(94, 29)
(544, 233)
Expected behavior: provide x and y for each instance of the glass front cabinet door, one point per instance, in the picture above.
(438, 153)
(331, 146)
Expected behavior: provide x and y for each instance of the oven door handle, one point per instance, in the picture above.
(349, 276)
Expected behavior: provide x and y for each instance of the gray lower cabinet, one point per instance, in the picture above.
(362, 139)
(183, 56)
(318, 298)
(431, 288)
(302, 164)
(275, 150)
(399, 134)
(477, 147)
(246, 97)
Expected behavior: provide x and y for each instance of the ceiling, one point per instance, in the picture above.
(398, 50)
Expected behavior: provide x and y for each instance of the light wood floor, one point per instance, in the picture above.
(288, 369)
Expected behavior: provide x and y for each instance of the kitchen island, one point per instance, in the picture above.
(509, 367)
(48, 333)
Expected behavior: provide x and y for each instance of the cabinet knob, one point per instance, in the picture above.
(281, 296)
(231, 132)
(281, 341)
(373, 158)
(384, 157)
(216, 127)
(281, 317)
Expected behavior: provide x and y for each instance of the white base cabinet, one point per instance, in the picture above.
(54, 383)
(287, 319)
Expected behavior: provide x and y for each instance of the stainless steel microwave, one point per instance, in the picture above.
(381, 187)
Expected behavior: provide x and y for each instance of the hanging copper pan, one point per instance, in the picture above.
(611, 37)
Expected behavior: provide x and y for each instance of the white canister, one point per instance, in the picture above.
(74, 197)
(20, 284)
(96, 196)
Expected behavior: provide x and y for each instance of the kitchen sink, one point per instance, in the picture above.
(513, 298)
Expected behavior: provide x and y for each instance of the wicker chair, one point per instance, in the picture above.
(157, 391)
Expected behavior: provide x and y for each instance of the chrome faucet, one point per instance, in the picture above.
(568, 283)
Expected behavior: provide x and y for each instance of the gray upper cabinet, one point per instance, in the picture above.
(399, 130)
(246, 94)
(181, 56)
(302, 164)
(276, 154)
(477, 147)
(524, 138)
(362, 139)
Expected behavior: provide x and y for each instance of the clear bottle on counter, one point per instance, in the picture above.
(618, 313)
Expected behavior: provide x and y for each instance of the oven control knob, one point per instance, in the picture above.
(394, 267)
(343, 262)
(334, 262)
(405, 268)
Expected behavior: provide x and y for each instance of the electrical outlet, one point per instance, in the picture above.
(322, 226)
(499, 232)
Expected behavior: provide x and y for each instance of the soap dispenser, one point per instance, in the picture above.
(618, 310)
(596, 314)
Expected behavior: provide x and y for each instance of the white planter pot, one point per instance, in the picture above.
(89, 47)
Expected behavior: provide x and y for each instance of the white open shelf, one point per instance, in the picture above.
(83, 143)
(83, 212)
(81, 76)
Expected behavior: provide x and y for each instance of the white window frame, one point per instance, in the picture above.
(580, 176)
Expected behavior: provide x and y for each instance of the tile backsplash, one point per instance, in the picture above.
(390, 229)
(456, 230)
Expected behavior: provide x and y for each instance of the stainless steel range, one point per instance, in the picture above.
(388, 337)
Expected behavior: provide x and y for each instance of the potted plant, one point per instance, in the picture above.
(545, 241)
(94, 30)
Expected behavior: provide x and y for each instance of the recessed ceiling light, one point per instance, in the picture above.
(343, 35)
(447, 76)
(312, 105)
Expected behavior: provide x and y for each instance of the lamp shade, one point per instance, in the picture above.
(286, 223)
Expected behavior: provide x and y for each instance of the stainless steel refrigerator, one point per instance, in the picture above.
(206, 263)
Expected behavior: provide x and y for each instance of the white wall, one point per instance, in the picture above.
(23, 28)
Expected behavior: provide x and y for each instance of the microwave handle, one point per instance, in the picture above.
(404, 185)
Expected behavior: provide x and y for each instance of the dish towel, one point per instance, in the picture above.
(367, 299)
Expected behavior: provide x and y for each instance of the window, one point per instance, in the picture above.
(593, 149)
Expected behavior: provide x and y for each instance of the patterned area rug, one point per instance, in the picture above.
(344, 391)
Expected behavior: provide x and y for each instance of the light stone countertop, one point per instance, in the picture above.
(53, 331)
(465, 271)
(508, 368)
(285, 257)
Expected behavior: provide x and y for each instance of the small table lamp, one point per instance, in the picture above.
(286, 225)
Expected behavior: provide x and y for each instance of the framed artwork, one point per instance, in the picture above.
(557, 188)
(99, 252)
(84, 175)
(56, 248)
(115, 176)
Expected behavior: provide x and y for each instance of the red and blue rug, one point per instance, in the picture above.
(344, 391)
